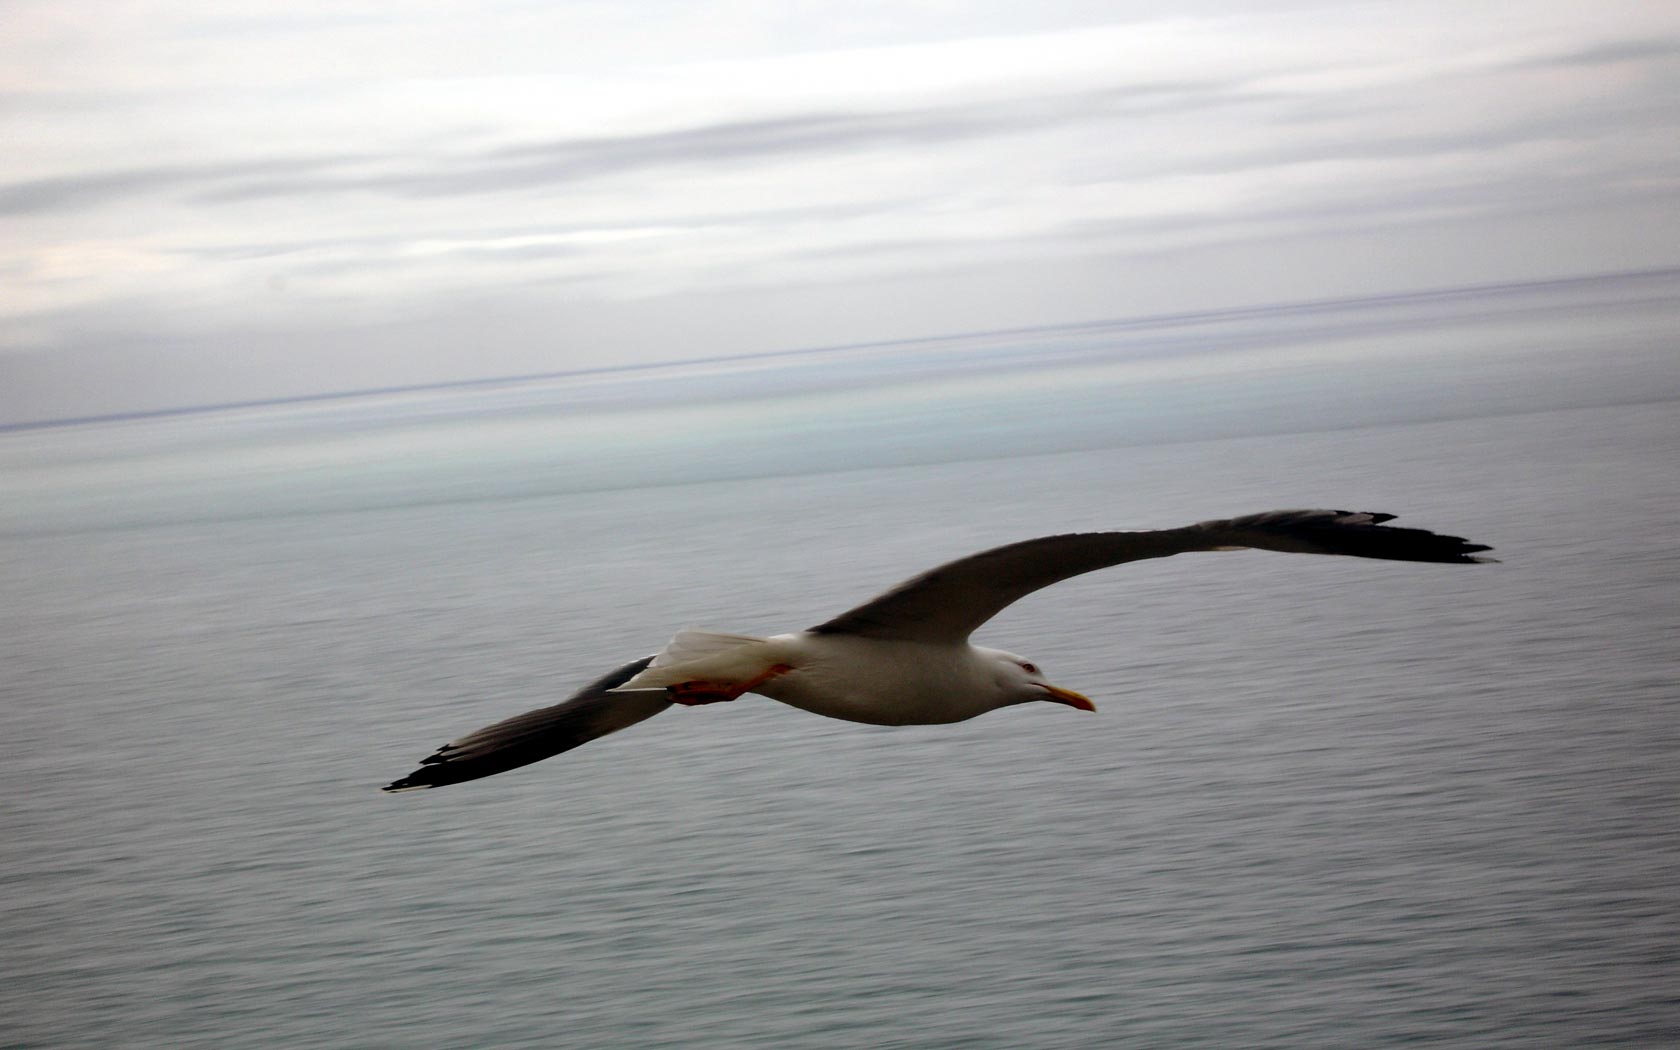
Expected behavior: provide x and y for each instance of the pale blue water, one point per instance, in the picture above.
(1325, 802)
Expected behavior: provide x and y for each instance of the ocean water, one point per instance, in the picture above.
(1325, 802)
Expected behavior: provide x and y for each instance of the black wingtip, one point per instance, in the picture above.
(434, 771)
(1359, 534)
(590, 713)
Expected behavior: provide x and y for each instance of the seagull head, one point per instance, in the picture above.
(1020, 681)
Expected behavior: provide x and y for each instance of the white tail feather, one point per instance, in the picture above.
(702, 655)
(691, 645)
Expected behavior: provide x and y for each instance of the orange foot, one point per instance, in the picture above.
(693, 694)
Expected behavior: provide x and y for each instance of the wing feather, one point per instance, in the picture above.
(946, 604)
(590, 713)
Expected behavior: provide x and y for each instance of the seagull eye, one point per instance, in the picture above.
(1029, 668)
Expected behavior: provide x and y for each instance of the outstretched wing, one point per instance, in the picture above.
(589, 713)
(945, 605)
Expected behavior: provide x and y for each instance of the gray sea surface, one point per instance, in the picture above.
(1325, 802)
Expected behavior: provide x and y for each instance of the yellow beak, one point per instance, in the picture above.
(1068, 697)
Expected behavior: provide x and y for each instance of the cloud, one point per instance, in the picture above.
(568, 160)
(1616, 52)
(73, 192)
(205, 177)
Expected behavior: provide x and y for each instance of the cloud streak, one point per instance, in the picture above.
(569, 160)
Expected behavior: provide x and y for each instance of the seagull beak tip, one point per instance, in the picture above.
(1070, 698)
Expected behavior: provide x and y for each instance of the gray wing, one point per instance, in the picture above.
(945, 605)
(589, 713)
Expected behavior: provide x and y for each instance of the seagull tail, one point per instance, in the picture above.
(690, 645)
(704, 655)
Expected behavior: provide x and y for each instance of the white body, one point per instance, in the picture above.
(880, 682)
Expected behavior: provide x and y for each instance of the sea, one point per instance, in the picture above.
(1324, 802)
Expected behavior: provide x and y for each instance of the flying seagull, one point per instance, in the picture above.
(903, 658)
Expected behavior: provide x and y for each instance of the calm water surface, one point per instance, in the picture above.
(1324, 803)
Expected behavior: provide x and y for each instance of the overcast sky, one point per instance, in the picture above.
(213, 199)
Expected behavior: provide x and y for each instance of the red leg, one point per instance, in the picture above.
(693, 694)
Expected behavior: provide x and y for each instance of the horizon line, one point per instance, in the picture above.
(1168, 319)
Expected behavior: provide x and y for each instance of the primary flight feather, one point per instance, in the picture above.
(903, 658)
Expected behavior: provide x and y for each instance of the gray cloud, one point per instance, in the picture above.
(572, 160)
(66, 192)
(814, 134)
(1614, 52)
(576, 160)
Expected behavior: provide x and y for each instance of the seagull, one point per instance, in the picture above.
(903, 657)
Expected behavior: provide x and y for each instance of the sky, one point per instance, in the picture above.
(214, 200)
